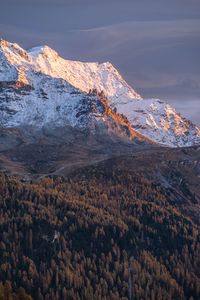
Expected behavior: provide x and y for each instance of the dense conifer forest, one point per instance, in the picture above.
(75, 238)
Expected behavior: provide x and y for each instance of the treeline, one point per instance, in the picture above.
(75, 238)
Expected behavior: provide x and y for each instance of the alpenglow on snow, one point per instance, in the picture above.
(53, 86)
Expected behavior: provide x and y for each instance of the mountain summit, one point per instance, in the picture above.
(39, 88)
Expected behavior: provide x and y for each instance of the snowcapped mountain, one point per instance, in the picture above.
(38, 87)
(30, 97)
(160, 122)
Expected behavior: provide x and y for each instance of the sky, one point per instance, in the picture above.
(154, 44)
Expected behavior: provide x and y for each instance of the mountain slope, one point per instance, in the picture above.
(42, 89)
(76, 237)
(84, 76)
(160, 122)
(30, 97)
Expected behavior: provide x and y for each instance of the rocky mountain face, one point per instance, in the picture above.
(48, 126)
(93, 184)
(29, 97)
(40, 89)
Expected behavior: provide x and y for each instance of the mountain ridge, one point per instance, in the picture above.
(41, 73)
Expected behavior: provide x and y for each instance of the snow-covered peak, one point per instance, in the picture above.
(43, 50)
(13, 53)
(84, 76)
(43, 74)
(15, 61)
(160, 122)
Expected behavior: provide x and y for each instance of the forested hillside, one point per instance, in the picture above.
(73, 238)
